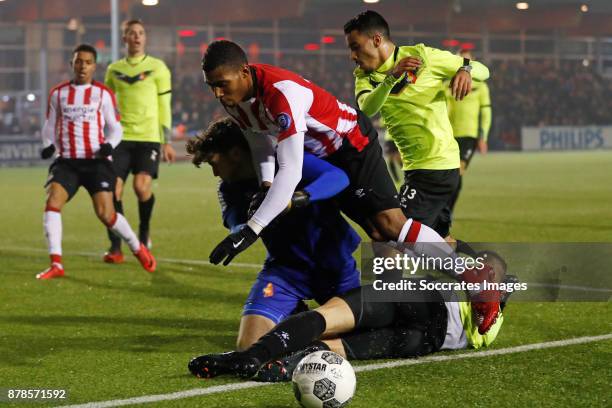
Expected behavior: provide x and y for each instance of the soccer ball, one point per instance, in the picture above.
(324, 379)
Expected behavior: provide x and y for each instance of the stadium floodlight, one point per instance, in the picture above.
(584, 8)
(370, 1)
(150, 2)
(523, 5)
(31, 97)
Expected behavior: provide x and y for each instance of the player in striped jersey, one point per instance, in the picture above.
(77, 112)
(283, 114)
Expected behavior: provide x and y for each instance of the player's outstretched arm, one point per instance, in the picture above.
(290, 157)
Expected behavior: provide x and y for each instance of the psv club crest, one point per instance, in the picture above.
(283, 120)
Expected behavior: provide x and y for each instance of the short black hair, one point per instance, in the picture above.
(368, 22)
(86, 48)
(223, 52)
(220, 137)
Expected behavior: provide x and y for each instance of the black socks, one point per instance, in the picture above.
(145, 209)
(114, 239)
(290, 335)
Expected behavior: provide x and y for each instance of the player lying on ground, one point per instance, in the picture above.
(309, 248)
(359, 329)
(406, 85)
(77, 112)
(282, 114)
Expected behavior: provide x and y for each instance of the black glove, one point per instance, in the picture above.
(232, 245)
(47, 152)
(257, 199)
(106, 149)
(300, 199)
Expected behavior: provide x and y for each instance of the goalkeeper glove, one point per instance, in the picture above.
(232, 245)
(106, 149)
(47, 152)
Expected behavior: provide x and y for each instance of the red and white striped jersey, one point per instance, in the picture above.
(286, 104)
(76, 116)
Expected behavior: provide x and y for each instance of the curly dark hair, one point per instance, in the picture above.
(221, 136)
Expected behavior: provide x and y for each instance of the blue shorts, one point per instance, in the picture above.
(276, 295)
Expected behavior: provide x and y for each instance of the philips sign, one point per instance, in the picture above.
(567, 138)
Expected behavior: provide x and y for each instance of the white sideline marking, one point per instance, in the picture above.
(369, 367)
(167, 260)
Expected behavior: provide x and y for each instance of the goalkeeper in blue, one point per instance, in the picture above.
(309, 246)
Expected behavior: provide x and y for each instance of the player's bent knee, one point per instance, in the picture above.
(107, 216)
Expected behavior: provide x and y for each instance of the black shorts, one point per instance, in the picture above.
(94, 174)
(136, 157)
(467, 147)
(424, 319)
(425, 196)
(371, 189)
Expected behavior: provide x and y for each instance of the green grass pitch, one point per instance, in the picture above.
(109, 332)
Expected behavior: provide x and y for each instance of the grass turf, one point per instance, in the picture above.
(111, 332)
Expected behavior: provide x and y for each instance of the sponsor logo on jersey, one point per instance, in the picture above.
(283, 120)
(132, 79)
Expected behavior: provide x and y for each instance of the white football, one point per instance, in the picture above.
(324, 379)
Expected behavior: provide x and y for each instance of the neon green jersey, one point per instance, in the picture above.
(475, 339)
(471, 117)
(413, 107)
(142, 86)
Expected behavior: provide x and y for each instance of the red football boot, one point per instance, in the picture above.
(54, 271)
(114, 257)
(145, 258)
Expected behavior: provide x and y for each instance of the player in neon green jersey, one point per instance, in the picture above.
(471, 121)
(142, 84)
(406, 85)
